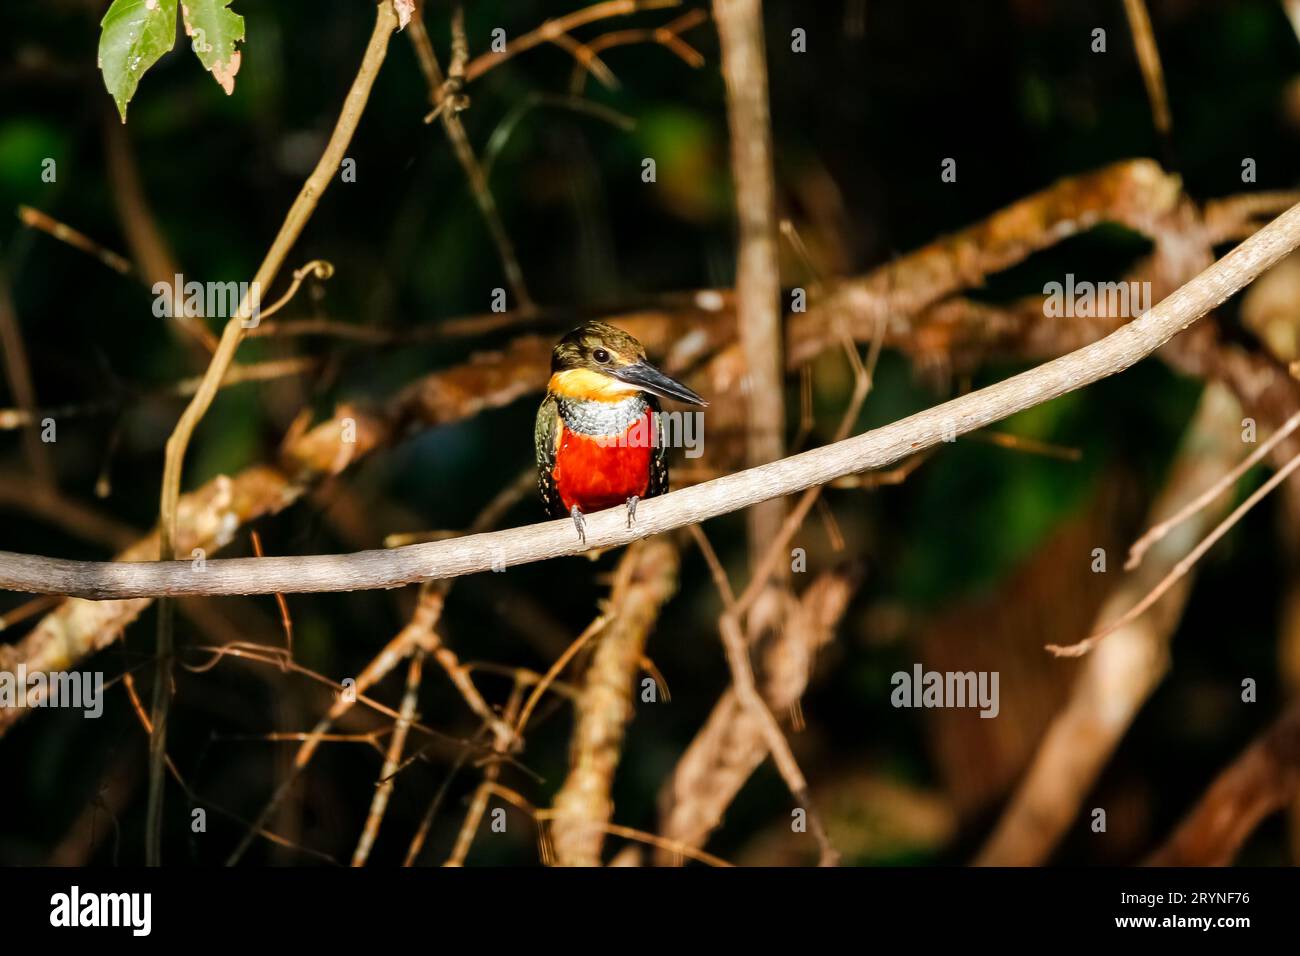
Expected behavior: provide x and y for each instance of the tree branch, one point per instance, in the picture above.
(538, 542)
(645, 579)
(758, 280)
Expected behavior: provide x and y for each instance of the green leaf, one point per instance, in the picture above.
(133, 35)
(215, 31)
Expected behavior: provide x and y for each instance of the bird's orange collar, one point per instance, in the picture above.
(586, 384)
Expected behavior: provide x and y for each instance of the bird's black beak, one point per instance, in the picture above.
(649, 379)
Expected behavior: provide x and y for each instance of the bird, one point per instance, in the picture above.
(599, 438)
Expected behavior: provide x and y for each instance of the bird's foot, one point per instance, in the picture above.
(580, 523)
(631, 510)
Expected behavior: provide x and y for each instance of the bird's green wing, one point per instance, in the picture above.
(546, 439)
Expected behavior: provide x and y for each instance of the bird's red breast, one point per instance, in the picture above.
(597, 472)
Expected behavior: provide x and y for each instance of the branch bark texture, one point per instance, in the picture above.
(539, 542)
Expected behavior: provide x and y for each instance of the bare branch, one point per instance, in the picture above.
(607, 529)
(731, 744)
(645, 579)
(758, 279)
(552, 30)
(392, 759)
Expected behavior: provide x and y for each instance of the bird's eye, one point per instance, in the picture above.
(601, 356)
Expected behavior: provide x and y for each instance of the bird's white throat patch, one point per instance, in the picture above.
(593, 417)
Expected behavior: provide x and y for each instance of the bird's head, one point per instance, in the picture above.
(597, 361)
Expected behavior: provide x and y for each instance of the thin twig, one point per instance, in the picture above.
(504, 129)
(668, 36)
(301, 210)
(742, 681)
(549, 31)
(1144, 38)
(137, 707)
(419, 632)
(1157, 532)
(478, 805)
(732, 742)
(387, 777)
(556, 669)
(35, 219)
(318, 269)
(543, 816)
(1180, 569)
(1030, 446)
(445, 96)
(774, 553)
(29, 608)
(286, 621)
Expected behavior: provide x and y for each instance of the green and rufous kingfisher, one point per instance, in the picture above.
(600, 441)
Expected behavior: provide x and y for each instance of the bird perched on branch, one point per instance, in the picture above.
(599, 439)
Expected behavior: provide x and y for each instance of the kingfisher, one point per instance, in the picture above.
(599, 437)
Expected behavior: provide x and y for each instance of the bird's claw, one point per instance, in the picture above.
(631, 510)
(580, 523)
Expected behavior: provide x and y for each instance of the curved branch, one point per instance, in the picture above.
(539, 542)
